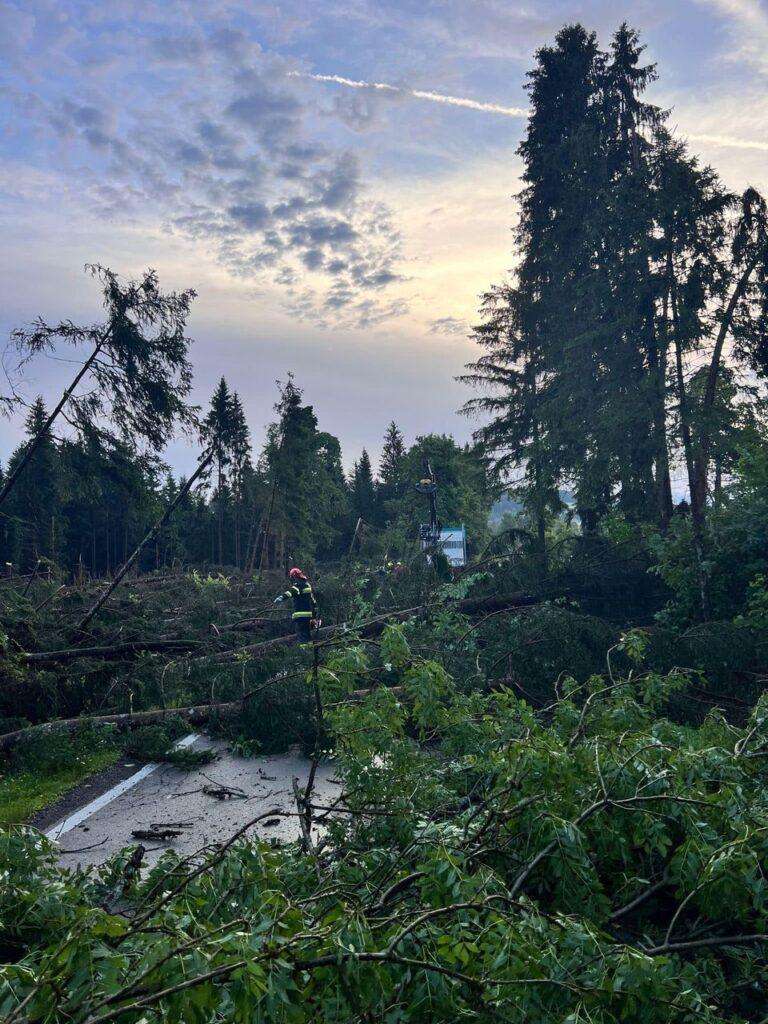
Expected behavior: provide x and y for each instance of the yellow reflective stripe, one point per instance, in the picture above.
(302, 615)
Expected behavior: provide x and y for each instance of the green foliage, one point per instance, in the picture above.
(737, 549)
(596, 863)
(532, 649)
(276, 717)
(43, 769)
(756, 615)
(154, 743)
(304, 466)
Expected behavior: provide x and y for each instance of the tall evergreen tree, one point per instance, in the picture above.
(304, 466)
(392, 483)
(221, 428)
(627, 249)
(511, 373)
(363, 491)
(34, 506)
(561, 291)
(241, 469)
(333, 497)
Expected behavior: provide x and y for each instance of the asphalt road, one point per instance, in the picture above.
(170, 796)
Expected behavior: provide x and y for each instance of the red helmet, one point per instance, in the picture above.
(296, 574)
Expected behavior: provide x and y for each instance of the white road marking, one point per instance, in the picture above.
(112, 794)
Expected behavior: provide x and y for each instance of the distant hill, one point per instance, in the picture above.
(507, 504)
(501, 507)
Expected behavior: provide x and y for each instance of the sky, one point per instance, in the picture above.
(335, 178)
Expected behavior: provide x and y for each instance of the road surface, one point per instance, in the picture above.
(165, 794)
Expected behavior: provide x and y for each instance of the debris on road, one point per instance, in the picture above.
(225, 793)
(156, 835)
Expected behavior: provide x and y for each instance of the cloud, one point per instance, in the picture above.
(214, 143)
(419, 94)
(449, 325)
(726, 141)
(749, 29)
(251, 216)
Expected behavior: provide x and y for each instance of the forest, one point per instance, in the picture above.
(552, 760)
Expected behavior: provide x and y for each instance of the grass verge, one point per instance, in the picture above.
(24, 793)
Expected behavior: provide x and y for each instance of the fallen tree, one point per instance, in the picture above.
(197, 715)
(112, 653)
(373, 627)
(595, 862)
(151, 535)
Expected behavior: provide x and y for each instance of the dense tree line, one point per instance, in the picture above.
(632, 337)
(84, 502)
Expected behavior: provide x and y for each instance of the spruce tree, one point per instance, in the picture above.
(363, 491)
(561, 291)
(392, 483)
(626, 249)
(240, 447)
(33, 510)
(140, 374)
(219, 430)
(304, 468)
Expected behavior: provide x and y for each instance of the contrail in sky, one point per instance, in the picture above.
(419, 94)
(496, 108)
(727, 141)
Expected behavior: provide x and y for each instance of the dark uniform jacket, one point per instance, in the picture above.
(304, 603)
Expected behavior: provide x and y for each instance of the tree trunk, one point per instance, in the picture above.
(267, 525)
(237, 532)
(538, 484)
(657, 358)
(194, 715)
(115, 652)
(702, 456)
(697, 513)
(718, 493)
(468, 606)
(220, 514)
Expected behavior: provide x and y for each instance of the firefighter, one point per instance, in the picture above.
(304, 604)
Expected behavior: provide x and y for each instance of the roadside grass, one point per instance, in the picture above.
(48, 766)
(25, 792)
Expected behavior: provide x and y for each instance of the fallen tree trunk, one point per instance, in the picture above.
(196, 715)
(470, 606)
(374, 627)
(150, 536)
(249, 625)
(113, 653)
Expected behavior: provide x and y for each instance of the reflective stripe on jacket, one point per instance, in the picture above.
(304, 604)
